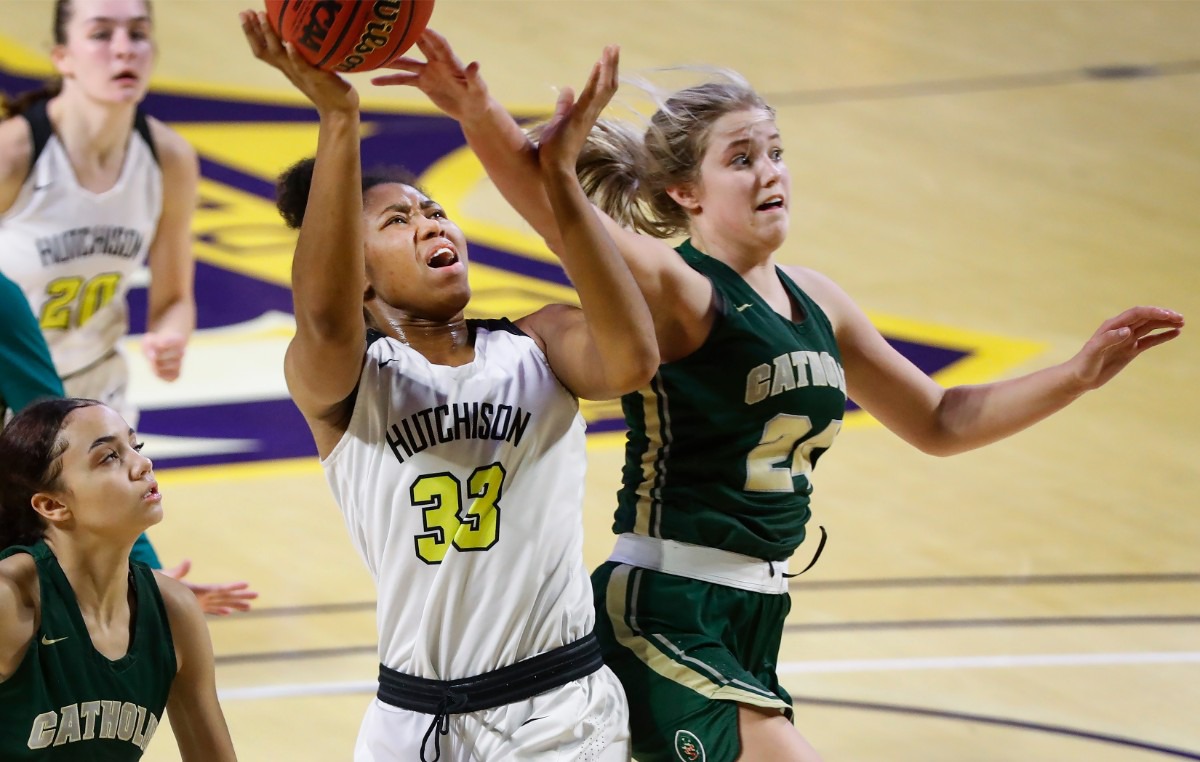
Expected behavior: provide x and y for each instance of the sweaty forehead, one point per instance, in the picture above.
(384, 195)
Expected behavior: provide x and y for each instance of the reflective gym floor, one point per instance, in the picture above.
(990, 180)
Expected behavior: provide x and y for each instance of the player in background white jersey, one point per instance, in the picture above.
(91, 190)
(455, 448)
(82, 202)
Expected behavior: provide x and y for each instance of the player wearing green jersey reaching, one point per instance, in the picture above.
(757, 361)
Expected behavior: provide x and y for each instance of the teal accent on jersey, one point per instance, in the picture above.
(66, 702)
(144, 552)
(722, 442)
(26, 371)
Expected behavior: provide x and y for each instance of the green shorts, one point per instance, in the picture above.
(688, 653)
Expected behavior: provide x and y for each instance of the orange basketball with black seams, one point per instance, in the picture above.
(349, 35)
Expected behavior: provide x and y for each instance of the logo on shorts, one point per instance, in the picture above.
(688, 746)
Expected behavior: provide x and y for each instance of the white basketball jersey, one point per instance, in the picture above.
(73, 251)
(462, 489)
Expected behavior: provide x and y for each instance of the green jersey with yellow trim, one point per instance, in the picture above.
(68, 702)
(721, 443)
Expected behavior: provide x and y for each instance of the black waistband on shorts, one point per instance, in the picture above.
(516, 682)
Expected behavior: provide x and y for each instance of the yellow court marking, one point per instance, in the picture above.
(989, 355)
(451, 180)
(242, 472)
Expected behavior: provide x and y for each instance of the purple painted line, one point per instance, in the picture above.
(276, 427)
(1039, 727)
(506, 260)
(227, 175)
(223, 298)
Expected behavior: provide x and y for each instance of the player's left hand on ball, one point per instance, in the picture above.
(328, 92)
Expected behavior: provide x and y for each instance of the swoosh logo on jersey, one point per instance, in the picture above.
(385, 362)
(744, 307)
(51, 641)
(41, 187)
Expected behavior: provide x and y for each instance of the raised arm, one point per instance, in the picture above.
(171, 314)
(609, 348)
(943, 421)
(16, 151)
(680, 298)
(325, 357)
(196, 718)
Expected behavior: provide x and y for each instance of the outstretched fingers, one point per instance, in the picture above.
(253, 34)
(1135, 316)
(602, 83)
(1153, 340)
(327, 91)
(435, 47)
(264, 42)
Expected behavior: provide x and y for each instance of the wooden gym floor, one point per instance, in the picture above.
(990, 180)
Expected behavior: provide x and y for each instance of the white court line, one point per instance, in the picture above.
(298, 689)
(795, 667)
(987, 662)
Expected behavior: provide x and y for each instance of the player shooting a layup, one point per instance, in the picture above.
(455, 447)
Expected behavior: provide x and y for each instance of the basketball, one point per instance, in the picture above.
(349, 35)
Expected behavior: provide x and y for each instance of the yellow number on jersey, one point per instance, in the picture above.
(780, 456)
(71, 301)
(474, 526)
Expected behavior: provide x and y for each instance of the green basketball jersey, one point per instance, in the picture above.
(67, 701)
(721, 443)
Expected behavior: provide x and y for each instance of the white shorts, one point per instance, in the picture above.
(584, 721)
(107, 381)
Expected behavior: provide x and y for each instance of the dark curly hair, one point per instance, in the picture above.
(293, 186)
(31, 447)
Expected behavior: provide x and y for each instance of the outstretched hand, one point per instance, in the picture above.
(1120, 339)
(327, 91)
(218, 599)
(563, 137)
(457, 90)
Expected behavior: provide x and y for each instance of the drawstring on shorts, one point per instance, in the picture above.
(820, 547)
(450, 704)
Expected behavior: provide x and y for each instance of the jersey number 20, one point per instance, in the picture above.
(468, 522)
(783, 452)
(71, 301)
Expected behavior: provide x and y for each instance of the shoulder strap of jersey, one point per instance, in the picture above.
(142, 125)
(39, 123)
(374, 336)
(501, 324)
(13, 550)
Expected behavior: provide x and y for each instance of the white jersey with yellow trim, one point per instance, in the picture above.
(462, 488)
(73, 251)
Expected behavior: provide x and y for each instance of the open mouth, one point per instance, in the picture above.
(443, 256)
(126, 76)
(153, 491)
(775, 203)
